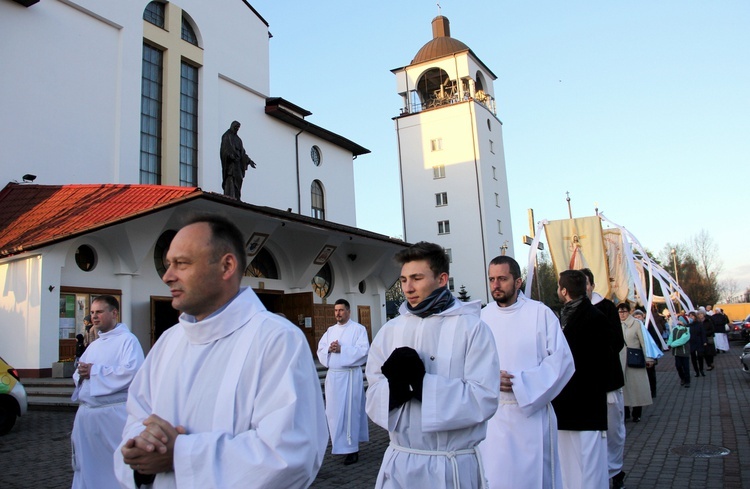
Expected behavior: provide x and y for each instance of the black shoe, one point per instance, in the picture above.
(636, 420)
(682, 382)
(703, 374)
(697, 375)
(686, 386)
(351, 458)
(618, 481)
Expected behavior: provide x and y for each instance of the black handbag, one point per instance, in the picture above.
(636, 358)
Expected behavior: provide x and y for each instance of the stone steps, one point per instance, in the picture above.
(50, 394)
(53, 394)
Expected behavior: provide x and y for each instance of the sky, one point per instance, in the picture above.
(641, 108)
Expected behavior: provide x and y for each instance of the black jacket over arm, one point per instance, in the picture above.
(615, 377)
(582, 404)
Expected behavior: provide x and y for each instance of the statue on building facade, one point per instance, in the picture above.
(234, 161)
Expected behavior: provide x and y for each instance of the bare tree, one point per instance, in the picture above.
(730, 290)
(706, 254)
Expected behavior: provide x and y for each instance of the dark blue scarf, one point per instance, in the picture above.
(438, 301)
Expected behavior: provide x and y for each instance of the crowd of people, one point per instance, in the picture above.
(502, 396)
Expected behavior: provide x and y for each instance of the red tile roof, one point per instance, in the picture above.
(36, 215)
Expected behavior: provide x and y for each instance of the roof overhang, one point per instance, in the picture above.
(294, 115)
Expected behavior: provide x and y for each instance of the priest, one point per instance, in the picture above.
(104, 373)
(343, 350)
(535, 364)
(228, 397)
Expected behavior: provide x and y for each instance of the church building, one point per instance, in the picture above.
(112, 117)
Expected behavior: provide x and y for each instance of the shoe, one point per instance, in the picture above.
(351, 458)
(618, 481)
(710, 368)
(703, 374)
(636, 420)
(682, 382)
(686, 386)
(697, 375)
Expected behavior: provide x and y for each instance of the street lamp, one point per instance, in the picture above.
(674, 261)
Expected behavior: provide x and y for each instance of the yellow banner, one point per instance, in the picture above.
(619, 283)
(578, 243)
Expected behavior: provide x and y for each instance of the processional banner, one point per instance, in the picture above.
(578, 243)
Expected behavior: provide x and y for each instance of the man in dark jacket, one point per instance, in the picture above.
(615, 381)
(698, 342)
(581, 407)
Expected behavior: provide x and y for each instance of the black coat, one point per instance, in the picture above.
(697, 338)
(582, 404)
(615, 377)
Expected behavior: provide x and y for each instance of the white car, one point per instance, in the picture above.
(13, 401)
(745, 359)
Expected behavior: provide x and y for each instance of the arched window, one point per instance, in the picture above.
(322, 282)
(166, 158)
(263, 266)
(318, 200)
(188, 33)
(435, 88)
(154, 13)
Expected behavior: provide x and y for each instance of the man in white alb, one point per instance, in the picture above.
(433, 382)
(535, 364)
(229, 396)
(104, 373)
(343, 350)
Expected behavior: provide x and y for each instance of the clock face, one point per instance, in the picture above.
(315, 155)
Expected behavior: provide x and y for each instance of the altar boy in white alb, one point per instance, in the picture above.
(433, 376)
(229, 396)
(535, 364)
(104, 374)
(343, 350)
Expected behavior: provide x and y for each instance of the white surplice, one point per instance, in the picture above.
(460, 392)
(345, 392)
(97, 430)
(521, 446)
(243, 384)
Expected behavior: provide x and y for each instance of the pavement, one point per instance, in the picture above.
(672, 446)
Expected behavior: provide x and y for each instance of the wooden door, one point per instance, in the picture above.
(363, 318)
(298, 308)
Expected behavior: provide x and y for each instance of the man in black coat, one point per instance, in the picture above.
(581, 407)
(615, 381)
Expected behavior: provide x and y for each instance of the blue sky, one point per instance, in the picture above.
(641, 107)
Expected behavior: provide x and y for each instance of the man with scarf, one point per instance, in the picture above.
(433, 378)
(581, 407)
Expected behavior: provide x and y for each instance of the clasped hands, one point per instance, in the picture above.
(334, 347)
(405, 373)
(152, 451)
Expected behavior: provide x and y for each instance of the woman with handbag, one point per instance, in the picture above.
(637, 392)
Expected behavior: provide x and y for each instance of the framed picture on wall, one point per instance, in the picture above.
(255, 243)
(324, 254)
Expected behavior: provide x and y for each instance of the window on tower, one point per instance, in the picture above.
(492, 147)
(499, 226)
(444, 227)
(438, 171)
(437, 144)
(449, 253)
(497, 199)
(441, 198)
(494, 173)
(450, 284)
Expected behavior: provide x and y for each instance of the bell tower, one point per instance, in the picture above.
(454, 189)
